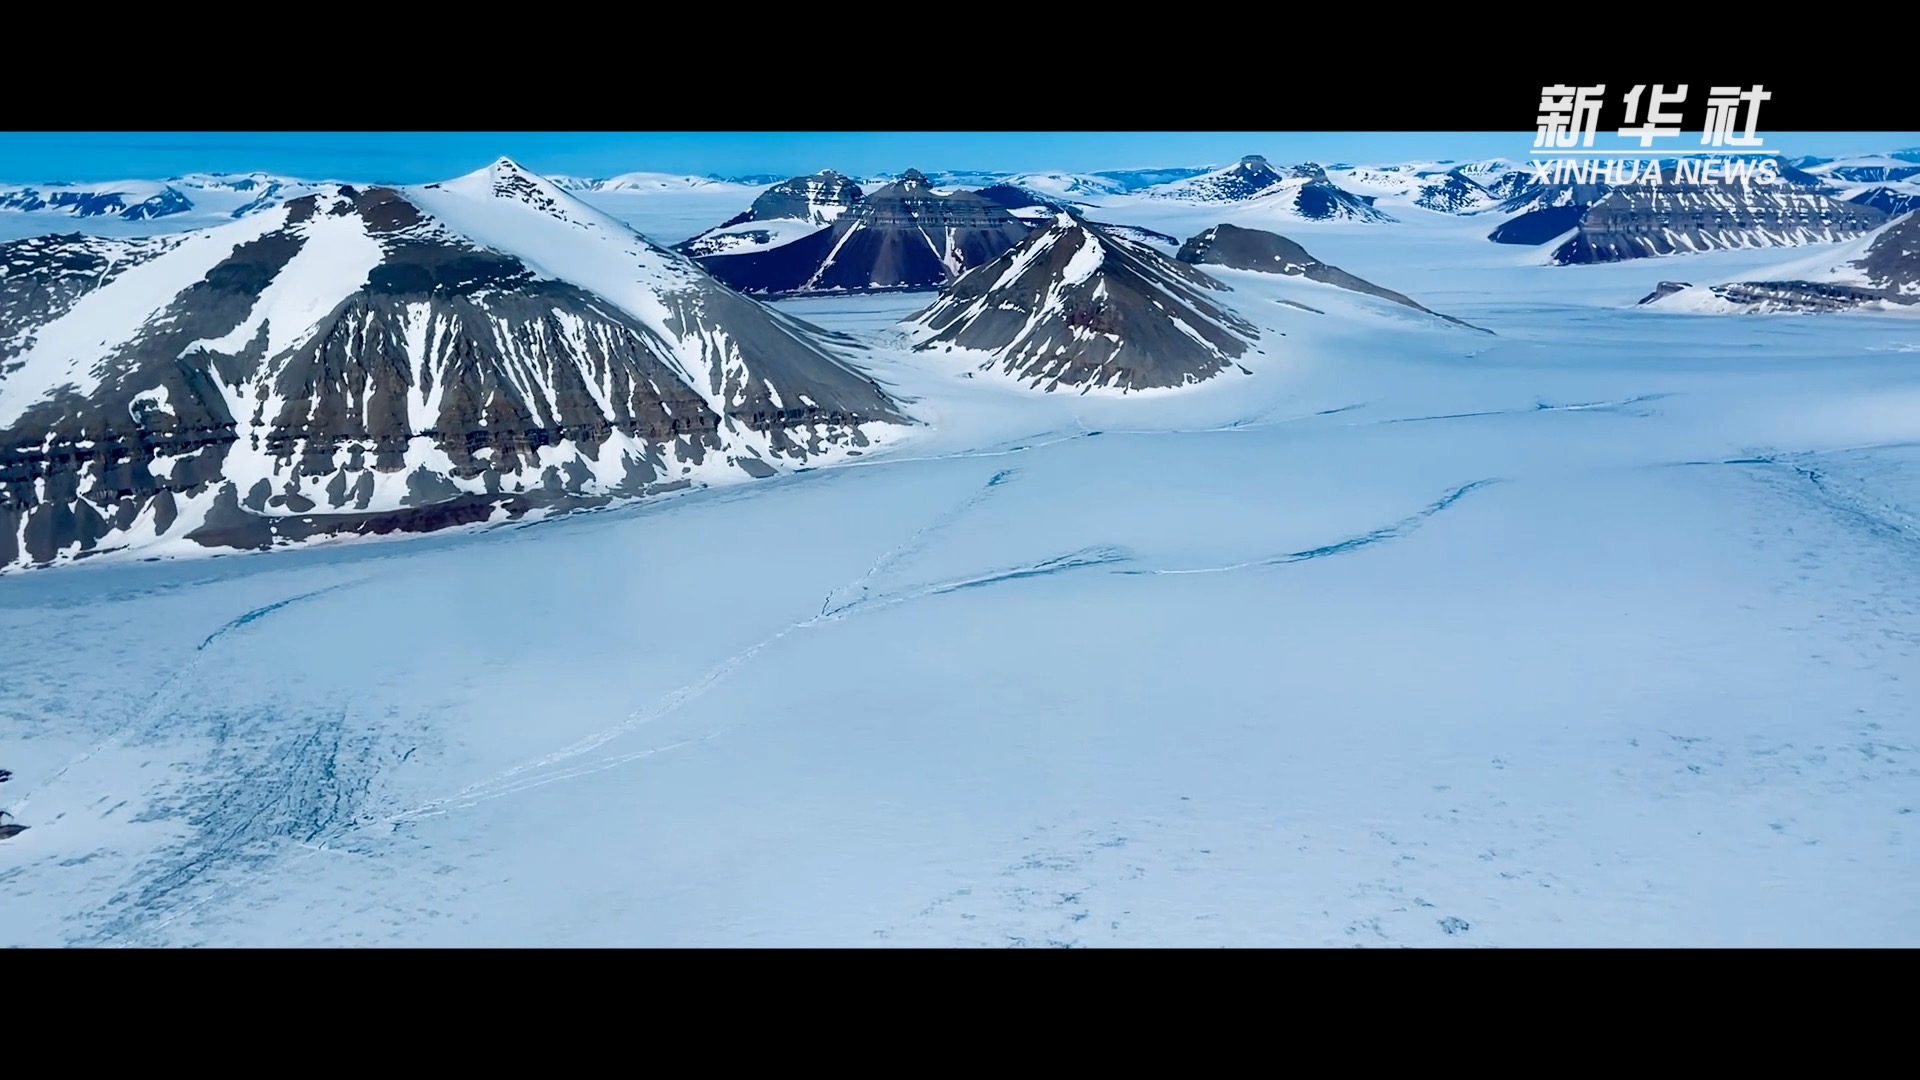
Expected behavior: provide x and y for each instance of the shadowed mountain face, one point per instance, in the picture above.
(1878, 271)
(1076, 307)
(903, 236)
(373, 360)
(1270, 253)
(816, 201)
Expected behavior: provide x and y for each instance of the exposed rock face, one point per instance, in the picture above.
(1270, 253)
(1076, 307)
(1245, 179)
(1636, 221)
(820, 198)
(1543, 212)
(1878, 271)
(1322, 200)
(373, 360)
(1453, 192)
(903, 236)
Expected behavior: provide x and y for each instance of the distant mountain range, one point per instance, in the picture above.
(1823, 200)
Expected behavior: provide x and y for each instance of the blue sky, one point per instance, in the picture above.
(416, 157)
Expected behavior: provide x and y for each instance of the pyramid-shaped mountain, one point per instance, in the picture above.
(1074, 306)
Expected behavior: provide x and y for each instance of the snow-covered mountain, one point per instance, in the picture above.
(904, 235)
(784, 212)
(1639, 220)
(1301, 192)
(1876, 272)
(366, 360)
(1444, 187)
(1076, 307)
(1235, 248)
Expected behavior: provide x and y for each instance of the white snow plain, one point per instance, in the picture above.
(1603, 631)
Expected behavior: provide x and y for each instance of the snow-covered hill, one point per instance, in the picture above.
(784, 212)
(1075, 307)
(903, 235)
(365, 360)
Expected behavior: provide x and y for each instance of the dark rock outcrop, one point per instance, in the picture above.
(1075, 307)
(415, 376)
(1270, 253)
(903, 236)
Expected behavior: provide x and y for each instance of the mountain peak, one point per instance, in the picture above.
(1255, 161)
(914, 176)
(1094, 313)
